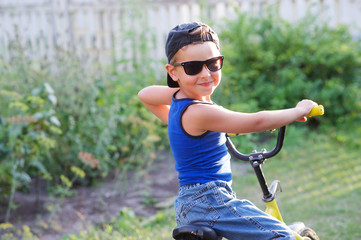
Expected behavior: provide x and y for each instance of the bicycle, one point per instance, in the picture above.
(256, 159)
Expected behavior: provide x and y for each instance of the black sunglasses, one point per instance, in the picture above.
(195, 67)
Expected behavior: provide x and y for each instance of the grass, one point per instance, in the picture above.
(129, 227)
(321, 180)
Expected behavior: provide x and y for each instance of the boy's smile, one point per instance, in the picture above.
(199, 86)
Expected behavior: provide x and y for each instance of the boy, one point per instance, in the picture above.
(196, 129)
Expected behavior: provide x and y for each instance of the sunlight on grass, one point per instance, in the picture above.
(321, 181)
(324, 191)
(329, 177)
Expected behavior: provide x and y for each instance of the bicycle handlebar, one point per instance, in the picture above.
(263, 155)
(258, 155)
(316, 111)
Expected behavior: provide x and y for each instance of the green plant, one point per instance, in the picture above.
(64, 189)
(10, 233)
(26, 138)
(128, 226)
(60, 192)
(271, 63)
(104, 127)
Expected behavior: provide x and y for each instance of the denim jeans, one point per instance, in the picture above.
(214, 204)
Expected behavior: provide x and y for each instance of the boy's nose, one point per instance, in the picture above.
(205, 70)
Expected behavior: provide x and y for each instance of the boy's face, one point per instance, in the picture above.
(201, 85)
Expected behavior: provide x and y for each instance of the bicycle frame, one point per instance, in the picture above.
(256, 159)
(273, 210)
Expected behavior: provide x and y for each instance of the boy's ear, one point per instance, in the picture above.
(171, 71)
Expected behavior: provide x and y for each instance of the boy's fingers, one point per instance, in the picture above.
(304, 119)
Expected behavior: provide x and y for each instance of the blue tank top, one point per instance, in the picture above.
(198, 159)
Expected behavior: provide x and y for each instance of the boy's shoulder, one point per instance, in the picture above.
(203, 110)
(199, 118)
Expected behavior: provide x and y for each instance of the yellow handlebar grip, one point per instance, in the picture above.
(235, 134)
(232, 134)
(316, 111)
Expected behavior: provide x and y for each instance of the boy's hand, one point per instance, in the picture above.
(305, 106)
(304, 119)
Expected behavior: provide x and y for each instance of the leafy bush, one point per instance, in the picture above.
(104, 127)
(26, 138)
(271, 63)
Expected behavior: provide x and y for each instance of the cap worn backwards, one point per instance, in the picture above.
(183, 35)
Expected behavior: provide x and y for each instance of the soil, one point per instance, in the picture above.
(143, 191)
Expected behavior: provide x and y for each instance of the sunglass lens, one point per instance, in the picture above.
(214, 64)
(193, 68)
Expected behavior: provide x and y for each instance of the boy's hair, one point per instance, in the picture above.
(186, 34)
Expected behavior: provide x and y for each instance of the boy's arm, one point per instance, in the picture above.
(203, 117)
(157, 99)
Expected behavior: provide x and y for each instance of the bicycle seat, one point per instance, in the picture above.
(195, 232)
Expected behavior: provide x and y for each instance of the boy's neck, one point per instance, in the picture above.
(180, 95)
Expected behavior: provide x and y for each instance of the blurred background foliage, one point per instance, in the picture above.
(103, 128)
(271, 63)
(64, 112)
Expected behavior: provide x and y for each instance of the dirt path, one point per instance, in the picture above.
(142, 191)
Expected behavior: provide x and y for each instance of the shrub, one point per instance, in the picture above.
(26, 137)
(104, 127)
(271, 63)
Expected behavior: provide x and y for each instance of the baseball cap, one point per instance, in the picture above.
(185, 34)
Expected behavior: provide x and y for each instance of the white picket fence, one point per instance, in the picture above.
(104, 28)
